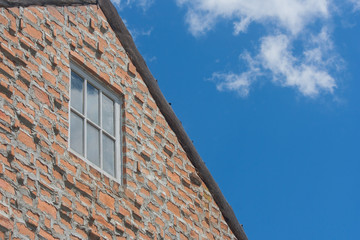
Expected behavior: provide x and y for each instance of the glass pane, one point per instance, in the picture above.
(92, 103)
(77, 133)
(108, 115)
(93, 145)
(77, 89)
(109, 155)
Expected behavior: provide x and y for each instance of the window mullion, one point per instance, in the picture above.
(101, 131)
(85, 119)
(117, 142)
(77, 112)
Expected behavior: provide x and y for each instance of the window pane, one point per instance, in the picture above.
(108, 115)
(76, 133)
(93, 144)
(92, 103)
(109, 155)
(77, 89)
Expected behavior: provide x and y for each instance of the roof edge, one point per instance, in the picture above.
(127, 41)
(25, 3)
(125, 38)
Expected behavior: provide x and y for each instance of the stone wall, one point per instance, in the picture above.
(46, 192)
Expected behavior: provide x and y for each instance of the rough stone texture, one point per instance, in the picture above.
(48, 193)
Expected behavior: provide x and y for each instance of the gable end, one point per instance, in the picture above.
(126, 40)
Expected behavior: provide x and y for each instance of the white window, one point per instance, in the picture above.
(95, 123)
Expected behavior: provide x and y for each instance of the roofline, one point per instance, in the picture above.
(25, 3)
(127, 41)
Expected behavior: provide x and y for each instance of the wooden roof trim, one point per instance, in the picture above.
(127, 41)
(25, 3)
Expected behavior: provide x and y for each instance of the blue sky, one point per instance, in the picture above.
(268, 91)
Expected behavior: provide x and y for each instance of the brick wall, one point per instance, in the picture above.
(48, 193)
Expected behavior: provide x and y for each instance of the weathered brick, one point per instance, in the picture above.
(41, 95)
(27, 140)
(24, 230)
(173, 208)
(159, 189)
(29, 15)
(5, 223)
(47, 208)
(49, 77)
(53, 11)
(3, 20)
(106, 199)
(33, 32)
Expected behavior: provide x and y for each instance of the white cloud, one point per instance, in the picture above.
(230, 81)
(306, 68)
(239, 83)
(356, 4)
(291, 15)
(307, 73)
(135, 33)
(144, 4)
(242, 25)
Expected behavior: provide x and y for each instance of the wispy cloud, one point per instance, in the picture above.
(136, 33)
(144, 4)
(293, 15)
(140, 32)
(307, 73)
(239, 83)
(356, 4)
(306, 68)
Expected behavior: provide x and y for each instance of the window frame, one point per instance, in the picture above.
(118, 100)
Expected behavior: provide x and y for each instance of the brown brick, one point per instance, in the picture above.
(29, 15)
(49, 77)
(53, 11)
(46, 235)
(33, 32)
(27, 140)
(3, 20)
(47, 208)
(160, 189)
(25, 231)
(173, 208)
(5, 222)
(58, 149)
(41, 95)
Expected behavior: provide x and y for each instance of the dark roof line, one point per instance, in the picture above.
(25, 3)
(125, 38)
